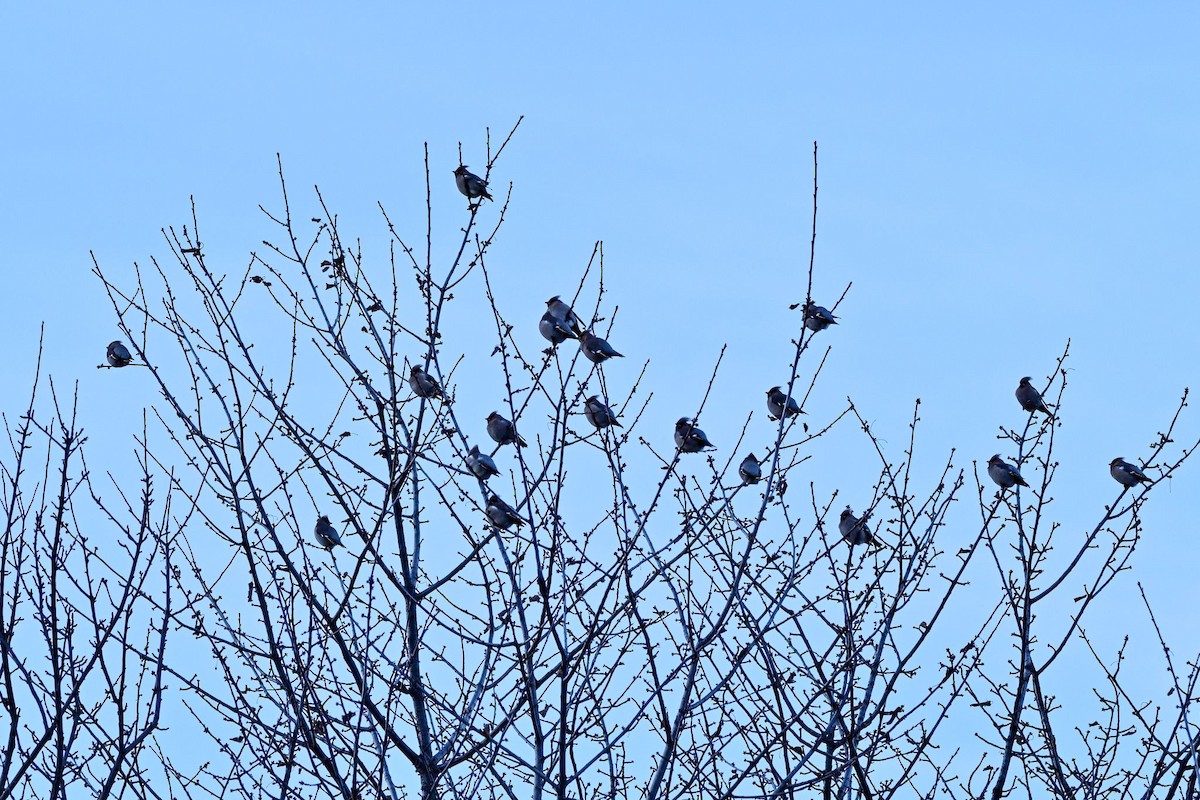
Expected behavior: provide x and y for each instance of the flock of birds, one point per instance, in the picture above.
(560, 322)
(1005, 475)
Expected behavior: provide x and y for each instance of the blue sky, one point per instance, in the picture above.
(993, 182)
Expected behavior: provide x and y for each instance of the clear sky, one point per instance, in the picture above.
(994, 182)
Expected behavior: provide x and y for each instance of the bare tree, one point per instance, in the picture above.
(1021, 535)
(82, 643)
(605, 614)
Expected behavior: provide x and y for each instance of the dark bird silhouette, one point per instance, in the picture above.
(325, 534)
(599, 414)
(424, 384)
(1125, 473)
(595, 349)
(555, 330)
(1004, 474)
(780, 404)
(502, 514)
(689, 438)
(750, 470)
(481, 464)
(503, 431)
(817, 318)
(118, 354)
(470, 184)
(560, 322)
(855, 530)
(1031, 399)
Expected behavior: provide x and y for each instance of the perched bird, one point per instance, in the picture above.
(1004, 474)
(855, 530)
(424, 384)
(1125, 473)
(1031, 399)
(502, 514)
(118, 354)
(780, 404)
(817, 318)
(599, 414)
(502, 431)
(481, 464)
(562, 311)
(689, 438)
(750, 470)
(596, 349)
(555, 330)
(470, 184)
(325, 535)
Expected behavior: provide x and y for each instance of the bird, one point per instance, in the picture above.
(562, 311)
(1031, 399)
(325, 535)
(503, 431)
(749, 470)
(481, 464)
(689, 438)
(817, 318)
(595, 349)
(118, 354)
(555, 330)
(599, 414)
(780, 404)
(424, 384)
(855, 530)
(502, 514)
(1126, 474)
(1004, 474)
(470, 184)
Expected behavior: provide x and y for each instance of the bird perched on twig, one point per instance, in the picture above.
(689, 438)
(780, 404)
(855, 530)
(1004, 474)
(599, 414)
(750, 470)
(325, 534)
(555, 330)
(501, 514)
(470, 184)
(424, 384)
(817, 318)
(503, 431)
(595, 349)
(481, 464)
(118, 354)
(1126, 474)
(559, 322)
(1031, 399)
